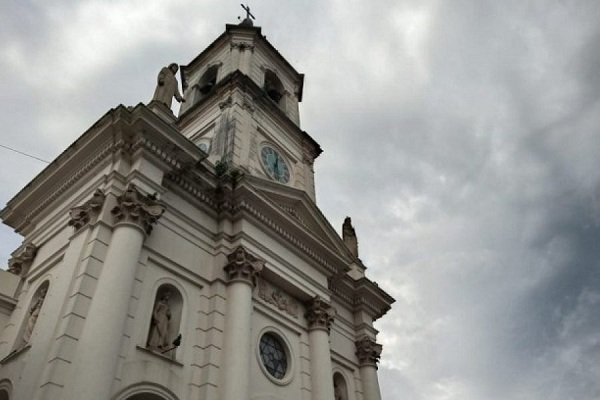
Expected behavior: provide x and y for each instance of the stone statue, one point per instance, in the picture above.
(158, 339)
(34, 313)
(349, 236)
(338, 391)
(166, 87)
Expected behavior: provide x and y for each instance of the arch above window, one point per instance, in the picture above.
(145, 391)
(5, 389)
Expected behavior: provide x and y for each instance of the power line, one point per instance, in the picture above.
(25, 154)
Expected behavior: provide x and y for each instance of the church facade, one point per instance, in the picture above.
(185, 257)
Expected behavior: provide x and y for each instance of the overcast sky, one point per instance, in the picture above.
(462, 137)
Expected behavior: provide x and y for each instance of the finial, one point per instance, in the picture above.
(249, 16)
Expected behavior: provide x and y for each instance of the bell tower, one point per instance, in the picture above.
(241, 108)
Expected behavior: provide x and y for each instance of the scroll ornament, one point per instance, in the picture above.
(136, 208)
(83, 214)
(243, 266)
(368, 351)
(319, 314)
(21, 259)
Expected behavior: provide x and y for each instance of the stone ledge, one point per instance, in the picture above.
(159, 355)
(13, 354)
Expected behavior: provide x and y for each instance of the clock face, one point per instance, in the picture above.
(274, 165)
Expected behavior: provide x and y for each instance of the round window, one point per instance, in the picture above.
(273, 355)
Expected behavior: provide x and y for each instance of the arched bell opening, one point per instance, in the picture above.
(273, 86)
(208, 80)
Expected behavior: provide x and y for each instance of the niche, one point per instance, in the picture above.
(33, 313)
(340, 389)
(165, 320)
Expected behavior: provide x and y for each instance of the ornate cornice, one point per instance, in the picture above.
(319, 314)
(368, 351)
(361, 294)
(82, 215)
(300, 244)
(243, 266)
(21, 259)
(135, 208)
(242, 46)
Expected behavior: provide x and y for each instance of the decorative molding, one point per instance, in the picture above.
(200, 192)
(84, 214)
(361, 294)
(319, 314)
(93, 161)
(368, 351)
(273, 295)
(247, 206)
(13, 354)
(243, 266)
(226, 103)
(141, 210)
(242, 46)
(293, 212)
(21, 259)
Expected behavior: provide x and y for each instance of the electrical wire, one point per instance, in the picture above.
(25, 154)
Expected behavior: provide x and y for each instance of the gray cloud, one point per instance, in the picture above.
(462, 137)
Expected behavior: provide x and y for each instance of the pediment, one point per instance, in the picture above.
(301, 210)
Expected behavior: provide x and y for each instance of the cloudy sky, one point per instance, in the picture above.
(461, 136)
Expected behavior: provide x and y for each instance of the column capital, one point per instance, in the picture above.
(135, 208)
(22, 258)
(82, 215)
(368, 351)
(319, 314)
(243, 266)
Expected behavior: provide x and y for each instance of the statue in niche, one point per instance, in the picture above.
(338, 392)
(167, 86)
(349, 236)
(34, 313)
(158, 340)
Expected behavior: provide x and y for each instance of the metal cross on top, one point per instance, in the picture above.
(248, 13)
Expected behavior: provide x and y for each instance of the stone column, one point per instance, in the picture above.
(99, 346)
(368, 353)
(320, 316)
(242, 270)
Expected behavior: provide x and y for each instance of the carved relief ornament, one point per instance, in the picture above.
(242, 46)
(319, 314)
(277, 297)
(368, 351)
(21, 259)
(85, 213)
(138, 209)
(243, 266)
